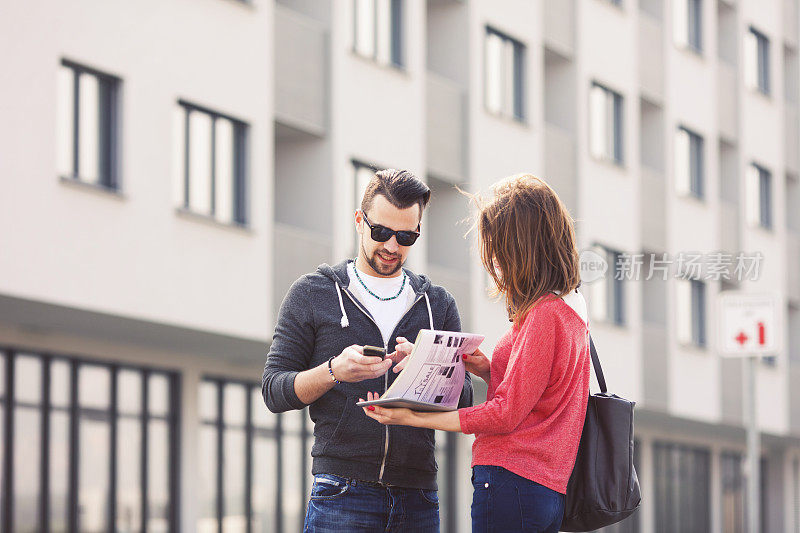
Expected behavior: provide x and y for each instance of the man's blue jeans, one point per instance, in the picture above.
(504, 501)
(339, 504)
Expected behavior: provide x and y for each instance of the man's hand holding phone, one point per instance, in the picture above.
(353, 364)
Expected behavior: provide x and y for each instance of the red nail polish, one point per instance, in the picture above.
(370, 407)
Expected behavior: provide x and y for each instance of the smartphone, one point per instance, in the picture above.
(374, 351)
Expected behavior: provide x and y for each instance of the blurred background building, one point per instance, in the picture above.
(169, 167)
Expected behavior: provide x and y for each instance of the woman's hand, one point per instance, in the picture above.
(388, 416)
(401, 351)
(478, 364)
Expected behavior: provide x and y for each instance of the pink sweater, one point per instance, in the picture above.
(532, 420)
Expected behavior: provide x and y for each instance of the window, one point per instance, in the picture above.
(605, 108)
(733, 492)
(378, 30)
(254, 465)
(689, 163)
(688, 23)
(682, 480)
(607, 295)
(87, 121)
(756, 63)
(212, 163)
(504, 75)
(759, 196)
(691, 307)
(90, 447)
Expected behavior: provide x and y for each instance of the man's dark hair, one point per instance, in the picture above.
(401, 187)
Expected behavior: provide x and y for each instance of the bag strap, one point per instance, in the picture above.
(598, 370)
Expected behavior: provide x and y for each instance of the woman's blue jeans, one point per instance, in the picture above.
(504, 501)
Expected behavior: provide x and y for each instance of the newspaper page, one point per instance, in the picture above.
(434, 373)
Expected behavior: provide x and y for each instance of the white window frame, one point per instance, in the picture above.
(758, 194)
(687, 24)
(205, 185)
(87, 126)
(757, 61)
(504, 75)
(606, 124)
(692, 312)
(607, 295)
(689, 154)
(378, 31)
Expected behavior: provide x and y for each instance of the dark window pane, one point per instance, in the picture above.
(129, 486)
(158, 476)
(27, 439)
(397, 33)
(27, 379)
(59, 470)
(763, 64)
(158, 395)
(265, 483)
(94, 385)
(94, 435)
(519, 81)
(765, 198)
(695, 24)
(107, 123)
(618, 128)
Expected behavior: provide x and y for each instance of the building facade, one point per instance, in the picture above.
(186, 161)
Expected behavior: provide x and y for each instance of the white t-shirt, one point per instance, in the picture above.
(386, 313)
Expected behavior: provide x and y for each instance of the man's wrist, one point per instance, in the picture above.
(329, 368)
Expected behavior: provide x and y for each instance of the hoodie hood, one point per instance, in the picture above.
(338, 274)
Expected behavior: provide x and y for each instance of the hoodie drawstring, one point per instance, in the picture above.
(430, 313)
(345, 321)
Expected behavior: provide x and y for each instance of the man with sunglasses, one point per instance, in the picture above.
(367, 477)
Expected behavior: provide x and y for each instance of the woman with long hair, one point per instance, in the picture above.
(527, 432)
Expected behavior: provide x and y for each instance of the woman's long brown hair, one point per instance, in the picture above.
(528, 231)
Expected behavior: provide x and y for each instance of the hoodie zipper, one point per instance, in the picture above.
(385, 376)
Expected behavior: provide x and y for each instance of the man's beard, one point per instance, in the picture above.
(383, 270)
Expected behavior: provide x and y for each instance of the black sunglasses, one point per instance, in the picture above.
(382, 233)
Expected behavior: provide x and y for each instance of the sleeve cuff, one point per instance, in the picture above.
(290, 395)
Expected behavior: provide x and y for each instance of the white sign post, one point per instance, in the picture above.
(748, 328)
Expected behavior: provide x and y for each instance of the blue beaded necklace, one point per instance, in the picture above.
(361, 281)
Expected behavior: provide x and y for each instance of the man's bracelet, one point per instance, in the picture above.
(330, 370)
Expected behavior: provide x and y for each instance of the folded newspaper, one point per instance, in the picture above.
(434, 373)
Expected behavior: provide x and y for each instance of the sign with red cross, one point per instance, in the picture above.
(748, 324)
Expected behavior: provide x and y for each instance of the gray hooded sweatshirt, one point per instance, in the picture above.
(320, 317)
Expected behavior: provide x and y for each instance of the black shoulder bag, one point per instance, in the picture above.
(603, 488)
